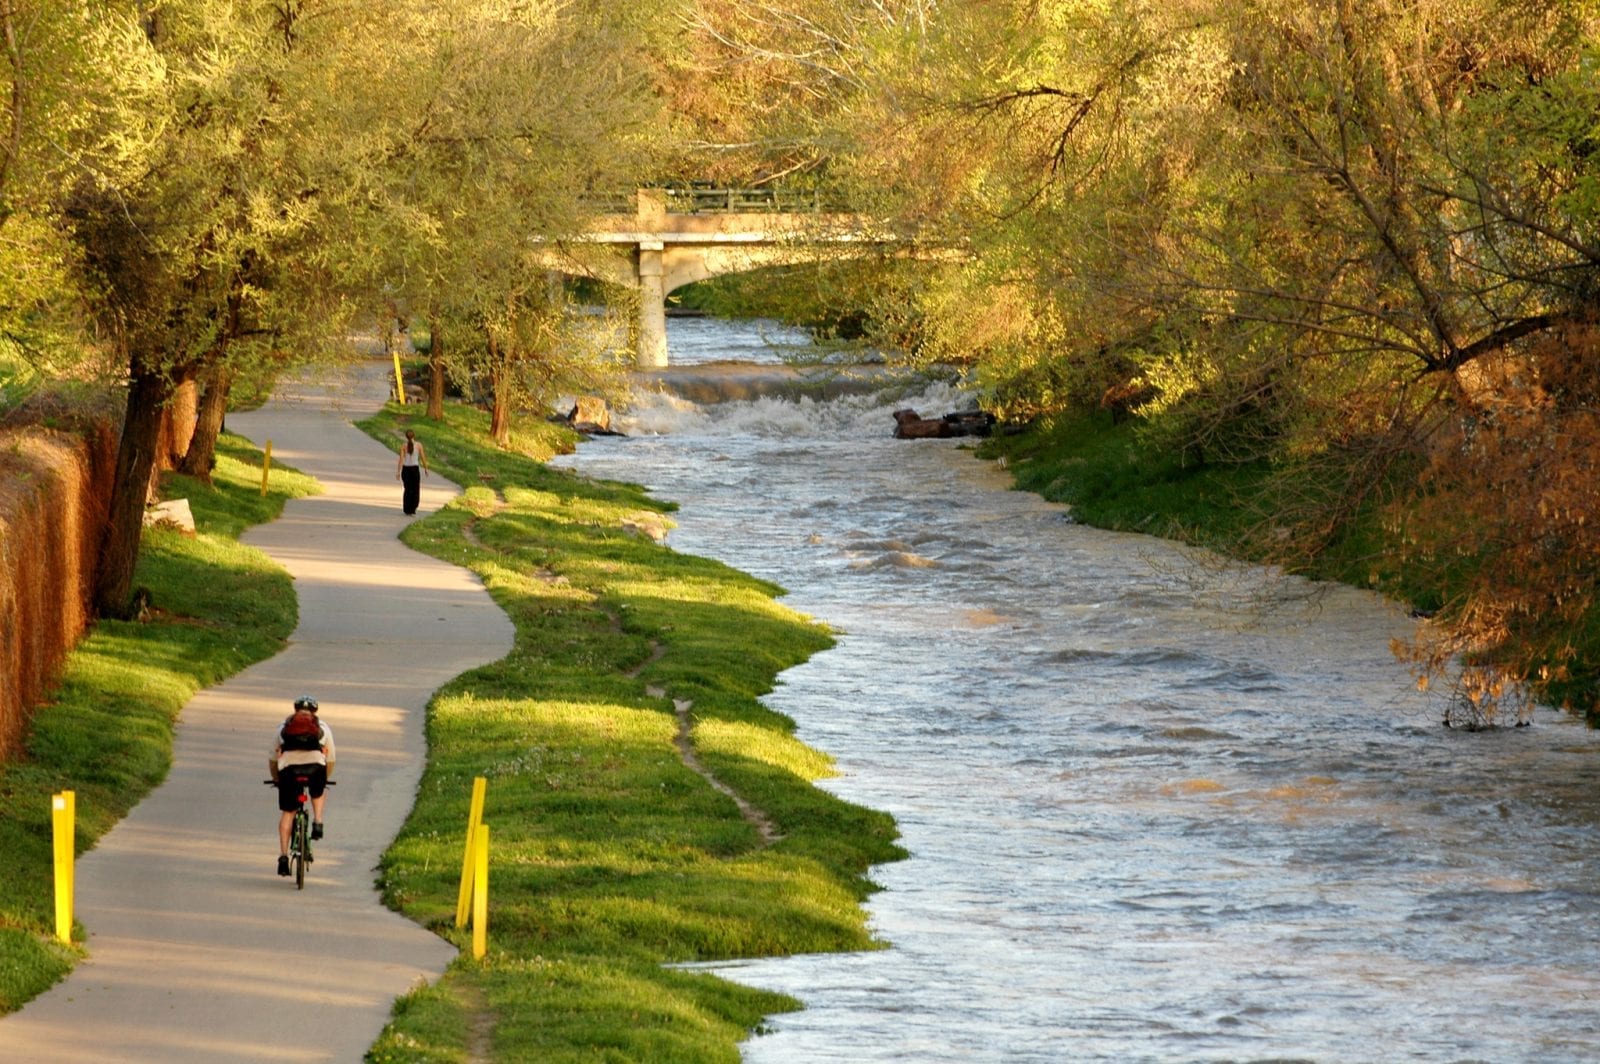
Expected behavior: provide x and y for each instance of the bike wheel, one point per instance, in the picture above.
(301, 840)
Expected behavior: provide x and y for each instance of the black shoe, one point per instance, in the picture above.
(283, 864)
(316, 830)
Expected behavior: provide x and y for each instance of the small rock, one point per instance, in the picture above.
(173, 512)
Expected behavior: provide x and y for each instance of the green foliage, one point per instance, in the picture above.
(843, 300)
(1298, 239)
(611, 856)
(106, 730)
(483, 132)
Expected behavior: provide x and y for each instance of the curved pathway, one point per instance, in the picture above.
(198, 951)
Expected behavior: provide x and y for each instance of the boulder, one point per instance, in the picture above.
(649, 526)
(591, 416)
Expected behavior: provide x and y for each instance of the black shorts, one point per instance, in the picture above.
(293, 777)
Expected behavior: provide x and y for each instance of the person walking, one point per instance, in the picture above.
(409, 471)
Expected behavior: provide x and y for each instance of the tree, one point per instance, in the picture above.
(506, 119)
(53, 71)
(193, 223)
(1321, 236)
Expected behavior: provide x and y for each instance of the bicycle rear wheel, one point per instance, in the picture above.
(298, 854)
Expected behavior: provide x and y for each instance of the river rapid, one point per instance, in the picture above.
(1158, 808)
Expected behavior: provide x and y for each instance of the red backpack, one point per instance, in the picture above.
(302, 732)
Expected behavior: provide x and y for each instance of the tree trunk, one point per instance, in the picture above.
(201, 456)
(499, 402)
(500, 420)
(148, 392)
(178, 418)
(435, 371)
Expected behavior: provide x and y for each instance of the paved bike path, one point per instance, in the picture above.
(198, 951)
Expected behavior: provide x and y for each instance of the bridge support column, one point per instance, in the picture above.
(651, 341)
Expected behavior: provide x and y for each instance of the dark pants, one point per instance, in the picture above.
(411, 477)
(293, 777)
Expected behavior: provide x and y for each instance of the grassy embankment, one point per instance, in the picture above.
(106, 732)
(1113, 477)
(611, 858)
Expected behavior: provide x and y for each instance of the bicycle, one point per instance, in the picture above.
(300, 830)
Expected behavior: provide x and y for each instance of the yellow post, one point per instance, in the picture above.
(63, 816)
(399, 382)
(474, 820)
(480, 893)
(266, 464)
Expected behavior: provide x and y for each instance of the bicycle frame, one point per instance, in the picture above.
(300, 828)
(300, 834)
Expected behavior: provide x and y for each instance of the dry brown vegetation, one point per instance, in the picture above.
(55, 487)
(1508, 518)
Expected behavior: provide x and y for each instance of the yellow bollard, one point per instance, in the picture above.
(266, 464)
(480, 893)
(399, 382)
(63, 816)
(474, 820)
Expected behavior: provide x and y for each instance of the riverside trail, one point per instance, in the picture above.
(197, 951)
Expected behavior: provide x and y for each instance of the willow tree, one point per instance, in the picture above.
(1410, 239)
(195, 224)
(54, 71)
(502, 123)
(1325, 236)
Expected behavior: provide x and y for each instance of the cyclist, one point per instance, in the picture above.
(303, 747)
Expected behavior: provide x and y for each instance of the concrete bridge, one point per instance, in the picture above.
(677, 236)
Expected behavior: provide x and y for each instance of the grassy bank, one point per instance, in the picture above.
(106, 733)
(1115, 477)
(611, 857)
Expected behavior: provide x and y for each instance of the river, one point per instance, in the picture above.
(1158, 808)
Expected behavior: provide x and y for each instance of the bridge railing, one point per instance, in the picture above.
(707, 199)
(750, 201)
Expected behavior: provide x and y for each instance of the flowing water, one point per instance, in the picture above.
(1158, 809)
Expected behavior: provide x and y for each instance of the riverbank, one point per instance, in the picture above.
(613, 857)
(1113, 477)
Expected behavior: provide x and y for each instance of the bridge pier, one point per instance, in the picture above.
(650, 343)
(653, 250)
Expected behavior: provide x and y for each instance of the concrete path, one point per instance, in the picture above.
(199, 952)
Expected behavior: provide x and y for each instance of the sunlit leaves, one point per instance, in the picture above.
(1320, 235)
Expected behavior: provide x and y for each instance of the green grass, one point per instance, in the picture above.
(1113, 476)
(106, 730)
(611, 859)
(1113, 479)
